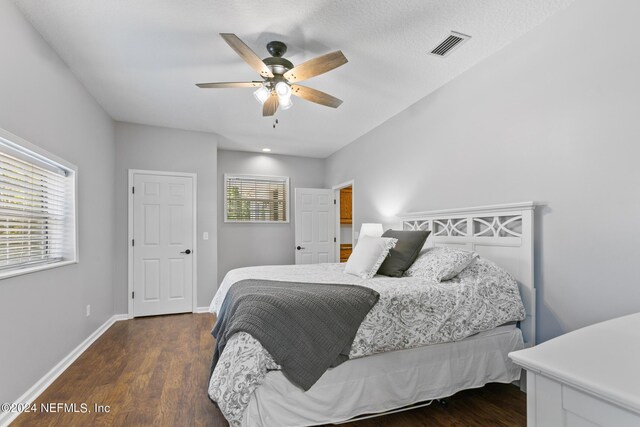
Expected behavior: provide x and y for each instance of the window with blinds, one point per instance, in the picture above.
(37, 209)
(252, 198)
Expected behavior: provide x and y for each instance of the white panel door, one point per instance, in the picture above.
(315, 226)
(163, 231)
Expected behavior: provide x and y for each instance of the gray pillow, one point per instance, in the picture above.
(405, 252)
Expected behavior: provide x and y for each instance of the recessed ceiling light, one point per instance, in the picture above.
(266, 150)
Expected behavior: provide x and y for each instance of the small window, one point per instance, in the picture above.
(37, 208)
(253, 198)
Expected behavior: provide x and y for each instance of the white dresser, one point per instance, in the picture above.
(589, 377)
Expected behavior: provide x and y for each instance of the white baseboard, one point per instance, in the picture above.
(201, 310)
(41, 385)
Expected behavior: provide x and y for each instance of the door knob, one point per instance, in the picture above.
(188, 251)
(299, 247)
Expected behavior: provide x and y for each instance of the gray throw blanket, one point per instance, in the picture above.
(306, 327)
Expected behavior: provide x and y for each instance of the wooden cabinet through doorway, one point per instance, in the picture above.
(345, 206)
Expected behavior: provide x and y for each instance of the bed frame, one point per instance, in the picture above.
(501, 233)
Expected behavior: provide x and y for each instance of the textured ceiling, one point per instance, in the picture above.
(140, 59)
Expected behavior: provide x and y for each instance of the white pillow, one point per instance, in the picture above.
(368, 254)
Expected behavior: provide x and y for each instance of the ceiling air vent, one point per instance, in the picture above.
(452, 41)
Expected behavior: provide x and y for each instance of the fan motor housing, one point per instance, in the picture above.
(278, 65)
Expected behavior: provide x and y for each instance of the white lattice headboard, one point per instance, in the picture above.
(501, 233)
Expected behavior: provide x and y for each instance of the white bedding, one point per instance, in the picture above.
(411, 312)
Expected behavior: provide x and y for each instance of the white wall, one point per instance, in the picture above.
(346, 234)
(241, 245)
(42, 315)
(552, 118)
(164, 149)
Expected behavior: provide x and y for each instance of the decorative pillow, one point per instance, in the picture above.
(440, 263)
(368, 255)
(404, 253)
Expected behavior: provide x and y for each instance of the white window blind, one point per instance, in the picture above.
(252, 198)
(37, 210)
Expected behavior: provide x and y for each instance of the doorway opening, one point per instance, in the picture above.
(344, 197)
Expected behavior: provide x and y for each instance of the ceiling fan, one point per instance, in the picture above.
(280, 76)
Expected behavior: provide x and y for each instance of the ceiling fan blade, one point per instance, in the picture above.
(247, 54)
(316, 96)
(316, 66)
(228, 84)
(270, 106)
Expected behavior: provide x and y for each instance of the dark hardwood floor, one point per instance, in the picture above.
(154, 371)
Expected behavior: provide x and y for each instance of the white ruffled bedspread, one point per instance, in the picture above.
(411, 312)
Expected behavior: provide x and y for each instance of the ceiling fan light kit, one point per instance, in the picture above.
(285, 103)
(262, 94)
(279, 74)
(283, 90)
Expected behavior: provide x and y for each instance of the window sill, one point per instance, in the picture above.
(20, 271)
(230, 221)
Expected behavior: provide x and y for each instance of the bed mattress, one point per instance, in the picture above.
(387, 381)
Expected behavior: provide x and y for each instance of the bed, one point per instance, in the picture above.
(399, 367)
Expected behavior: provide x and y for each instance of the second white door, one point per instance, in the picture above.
(315, 226)
(163, 237)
